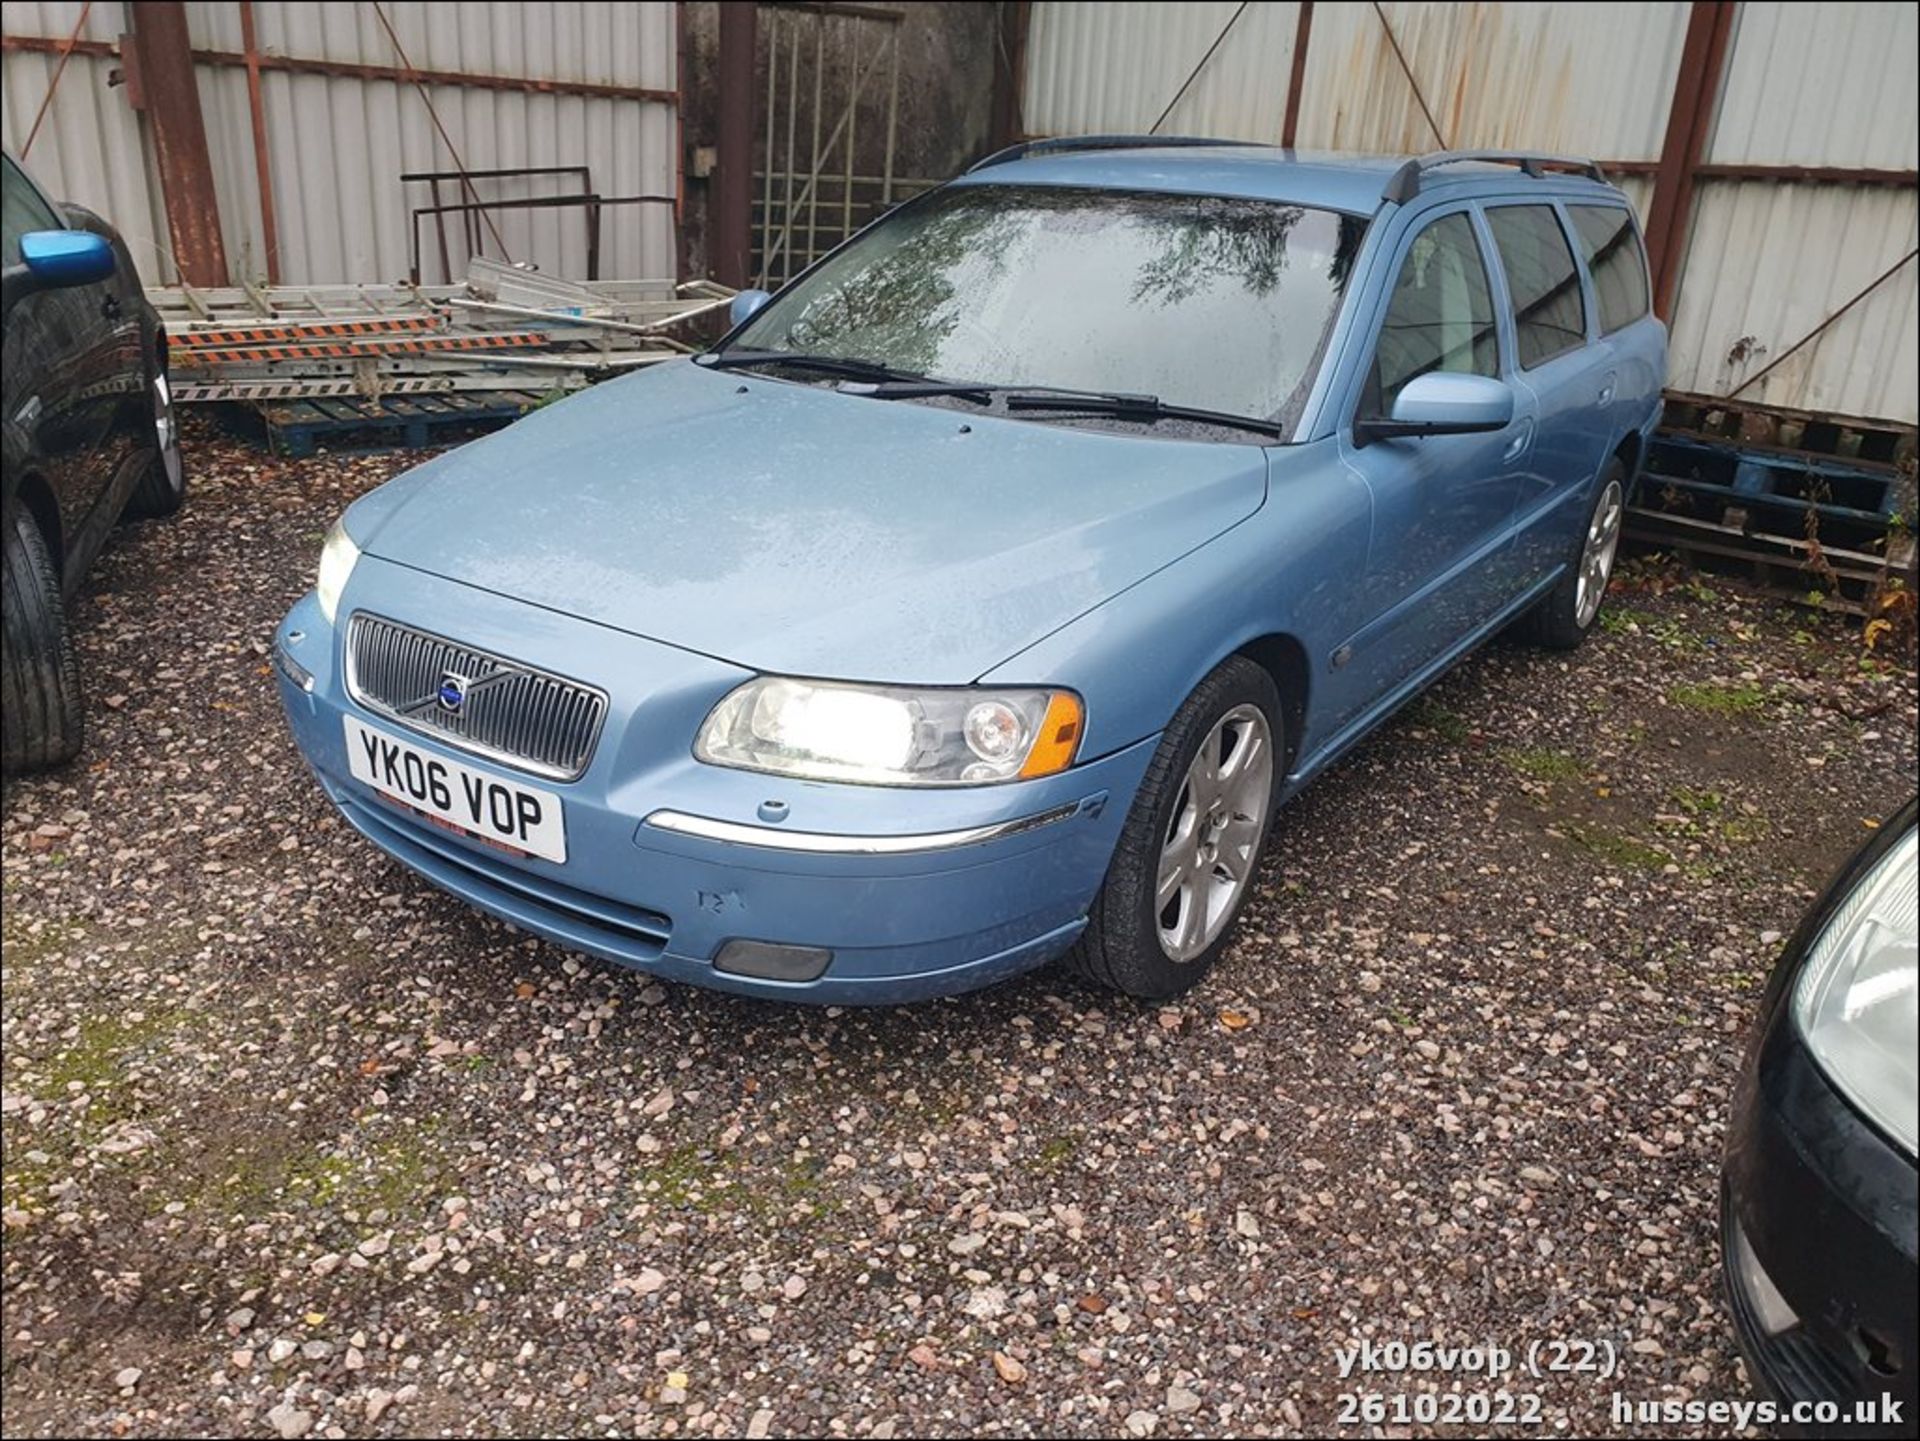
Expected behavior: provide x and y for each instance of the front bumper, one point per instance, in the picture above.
(903, 922)
(1818, 1224)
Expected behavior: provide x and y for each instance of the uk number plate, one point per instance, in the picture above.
(471, 802)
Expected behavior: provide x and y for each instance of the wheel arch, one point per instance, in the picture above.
(1629, 452)
(1284, 658)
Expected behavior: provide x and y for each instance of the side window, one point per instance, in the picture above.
(21, 210)
(1440, 316)
(1548, 314)
(1615, 261)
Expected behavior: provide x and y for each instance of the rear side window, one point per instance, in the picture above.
(21, 210)
(1440, 317)
(1549, 316)
(1615, 261)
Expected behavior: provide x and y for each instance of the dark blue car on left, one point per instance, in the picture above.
(87, 435)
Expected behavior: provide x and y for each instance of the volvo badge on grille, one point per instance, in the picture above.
(453, 691)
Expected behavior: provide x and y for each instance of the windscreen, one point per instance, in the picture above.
(1222, 304)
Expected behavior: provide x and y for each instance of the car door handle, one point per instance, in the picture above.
(1517, 446)
(1606, 393)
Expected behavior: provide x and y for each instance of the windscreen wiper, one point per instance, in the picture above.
(850, 366)
(1088, 402)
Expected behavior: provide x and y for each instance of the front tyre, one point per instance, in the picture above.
(163, 487)
(40, 703)
(1191, 845)
(1561, 621)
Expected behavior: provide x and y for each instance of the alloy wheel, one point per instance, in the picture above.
(166, 434)
(1213, 840)
(1596, 557)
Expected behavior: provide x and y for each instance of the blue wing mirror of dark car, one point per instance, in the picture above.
(1439, 403)
(746, 305)
(56, 258)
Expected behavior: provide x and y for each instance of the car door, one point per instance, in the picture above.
(1567, 375)
(115, 361)
(1442, 504)
(63, 363)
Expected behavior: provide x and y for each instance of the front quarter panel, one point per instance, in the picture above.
(1292, 568)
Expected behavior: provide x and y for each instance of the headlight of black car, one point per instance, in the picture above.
(1856, 1000)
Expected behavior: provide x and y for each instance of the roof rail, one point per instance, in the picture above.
(1405, 183)
(1068, 143)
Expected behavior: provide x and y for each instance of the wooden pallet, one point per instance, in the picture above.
(1797, 433)
(1792, 567)
(1844, 503)
(297, 428)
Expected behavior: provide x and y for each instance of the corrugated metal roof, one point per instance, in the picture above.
(1821, 85)
(89, 148)
(1767, 264)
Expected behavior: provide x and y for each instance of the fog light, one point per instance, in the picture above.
(291, 668)
(769, 962)
(1770, 1308)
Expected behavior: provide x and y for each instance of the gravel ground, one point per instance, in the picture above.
(295, 1145)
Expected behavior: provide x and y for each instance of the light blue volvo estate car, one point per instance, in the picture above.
(979, 598)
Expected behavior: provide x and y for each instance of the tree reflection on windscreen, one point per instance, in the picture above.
(1201, 300)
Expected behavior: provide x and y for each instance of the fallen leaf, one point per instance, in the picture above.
(1093, 1305)
(1234, 1020)
(524, 990)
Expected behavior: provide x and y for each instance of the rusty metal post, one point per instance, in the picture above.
(263, 165)
(1296, 82)
(180, 141)
(1007, 122)
(1696, 97)
(731, 244)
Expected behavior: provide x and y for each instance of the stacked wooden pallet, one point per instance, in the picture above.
(1816, 508)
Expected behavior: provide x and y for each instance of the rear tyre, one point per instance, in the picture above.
(1561, 621)
(39, 679)
(1191, 846)
(163, 487)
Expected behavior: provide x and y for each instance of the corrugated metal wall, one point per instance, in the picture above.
(90, 148)
(338, 144)
(1816, 85)
(1545, 75)
(1587, 78)
(1101, 68)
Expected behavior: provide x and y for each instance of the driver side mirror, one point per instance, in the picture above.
(56, 259)
(746, 305)
(1442, 403)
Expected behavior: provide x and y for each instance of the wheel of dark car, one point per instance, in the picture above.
(39, 680)
(163, 486)
(1562, 620)
(1192, 842)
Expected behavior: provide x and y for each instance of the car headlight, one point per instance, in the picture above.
(1857, 998)
(337, 558)
(890, 736)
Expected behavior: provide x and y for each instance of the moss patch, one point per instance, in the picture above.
(1540, 764)
(1616, 849)
(1430, 715)
(1719, 699)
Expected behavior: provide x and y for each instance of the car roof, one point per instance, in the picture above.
(1330, 180)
